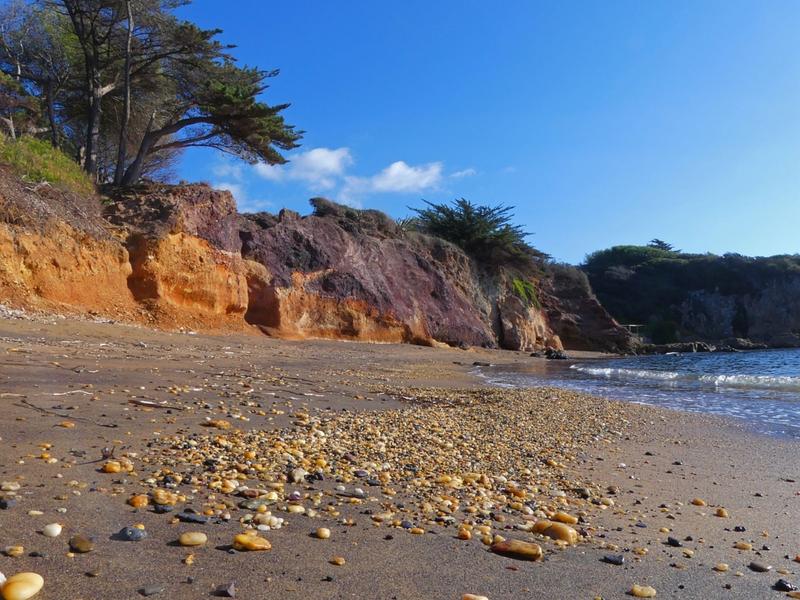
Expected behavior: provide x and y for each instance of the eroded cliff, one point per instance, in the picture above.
(181, 256)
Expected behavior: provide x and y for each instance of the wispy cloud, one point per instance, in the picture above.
(470, 172)
(320, 168)
(327, 170)
(397, 177)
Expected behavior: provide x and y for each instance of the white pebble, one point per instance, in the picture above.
(52, 530)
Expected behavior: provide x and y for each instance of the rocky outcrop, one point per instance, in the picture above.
(770, 315)
(56, 252)
(183, 242)
(347, 273)
(576, 316)
(181, 256)
(354, 274)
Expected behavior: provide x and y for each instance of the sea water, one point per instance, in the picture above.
(762, 387)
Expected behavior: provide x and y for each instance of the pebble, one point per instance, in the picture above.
(256, 503)
(338, 561)
(698, 502)
(81, 544)
(6, 503)
(722, 513)
(227, 590)
(245, 542)
(743, 546)
(22, 586)
(721, 567)
(323, 533)
(563, 517)
(138, 501)
(556, 531)
(643, 591)
(191, 517)
(759, 567)
(151, 590)
(674, 542)
(614, 559)
(784, 586)
(132, 534)
(112, 466)
(163, 497)
(51, 530)
(14, 551)
(518, 549)
(473, 597)
(298, 475)
(192, 538)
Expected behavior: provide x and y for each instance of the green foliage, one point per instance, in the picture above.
(85, 63)
(37, 161)
(484, 232)
(526, 290)
(647, 284)
(662, 245)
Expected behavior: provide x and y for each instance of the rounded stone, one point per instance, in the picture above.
(81, 544)
(192, 538)
(132, 534)
(51, 530)
(643, 591)
(22, 586)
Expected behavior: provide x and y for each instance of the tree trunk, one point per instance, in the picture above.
(93, 126)
(134, 171)
(10, 124)
(51, 116)
(126, 110)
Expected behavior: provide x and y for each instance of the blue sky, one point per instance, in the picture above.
(602, 122)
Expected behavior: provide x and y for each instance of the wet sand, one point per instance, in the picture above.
(649, 463)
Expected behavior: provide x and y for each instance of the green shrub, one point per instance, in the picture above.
(646, 284)
(526, 290)
(484, 232)
(37, 161)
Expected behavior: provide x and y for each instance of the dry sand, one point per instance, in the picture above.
(654, 461)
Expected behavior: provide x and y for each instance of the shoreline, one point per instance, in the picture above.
(88, 374)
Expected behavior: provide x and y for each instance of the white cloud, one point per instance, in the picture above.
(319, 167)
(397, 177)
(463, 173)
(401, 177)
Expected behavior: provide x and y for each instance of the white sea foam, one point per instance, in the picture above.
(784, 382)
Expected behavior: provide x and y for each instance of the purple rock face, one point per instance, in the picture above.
(424, 283)
(156, 210)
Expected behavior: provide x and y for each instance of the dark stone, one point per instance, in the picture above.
(784, 586)
(554, 354)
(6, 503)
(151, 590)
(227, 590)
(191, 517)
(132, 534)
(759, 567)
(614, 559)
(674, 542)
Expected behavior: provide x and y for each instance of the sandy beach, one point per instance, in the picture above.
(402, 451)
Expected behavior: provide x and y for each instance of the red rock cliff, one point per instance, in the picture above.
(182, 256)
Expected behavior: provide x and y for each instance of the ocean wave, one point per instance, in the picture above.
(783, 382)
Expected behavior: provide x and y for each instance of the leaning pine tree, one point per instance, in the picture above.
(125, 86)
